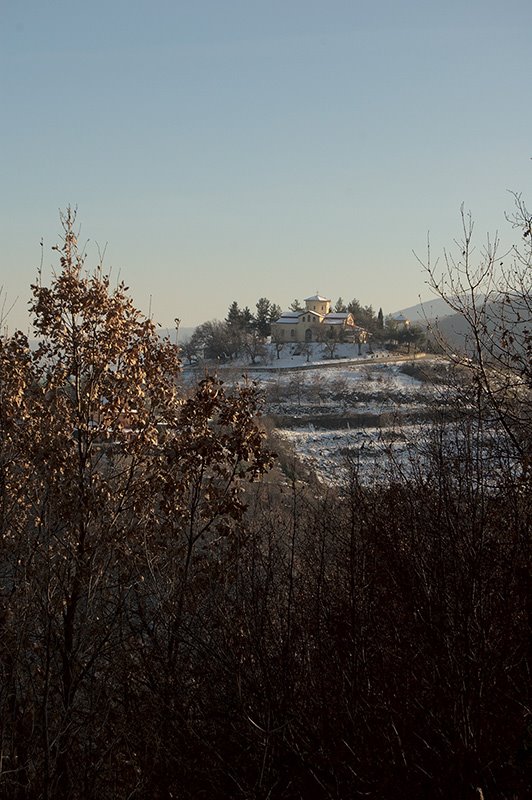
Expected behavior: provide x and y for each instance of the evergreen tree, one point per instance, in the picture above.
(363, 315)
(247, 320)
(340, 306)
(262, 317)
(234, 315)
(355, 309)
(275, 312)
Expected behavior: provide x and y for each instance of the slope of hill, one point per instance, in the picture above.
(426, 310)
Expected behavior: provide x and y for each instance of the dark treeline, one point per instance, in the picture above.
(181, 619)
(242, 332)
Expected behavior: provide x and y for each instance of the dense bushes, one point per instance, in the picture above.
(373, 645)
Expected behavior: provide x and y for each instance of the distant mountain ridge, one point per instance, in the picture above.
(426, 311)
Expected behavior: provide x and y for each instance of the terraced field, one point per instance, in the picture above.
(370, 415)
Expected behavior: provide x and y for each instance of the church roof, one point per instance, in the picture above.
(337, 319)
(290, 316)
(317, 298)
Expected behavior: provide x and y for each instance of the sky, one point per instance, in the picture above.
(224, 150)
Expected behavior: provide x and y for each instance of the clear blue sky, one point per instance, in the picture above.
(232, 149)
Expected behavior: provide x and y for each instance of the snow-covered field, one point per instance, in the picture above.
(372, 451)
(368, 410)
(369, 415)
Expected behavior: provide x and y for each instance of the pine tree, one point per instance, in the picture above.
(275, 312)
(247, 320)
(262, 317)
(234, 315)
(340, 307)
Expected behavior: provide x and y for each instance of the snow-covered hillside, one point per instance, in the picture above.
(370, 409)
(363, 414)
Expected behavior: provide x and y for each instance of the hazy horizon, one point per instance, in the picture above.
(240, 150)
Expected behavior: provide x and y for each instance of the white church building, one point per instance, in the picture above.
(314, 322)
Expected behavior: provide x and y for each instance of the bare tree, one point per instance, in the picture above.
(253, 345)
(190, 349)
(306, 349)
(297, 384)
(490, 294)
(329, 338)
(278, 342)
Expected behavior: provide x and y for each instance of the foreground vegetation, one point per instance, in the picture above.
(183, 617)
